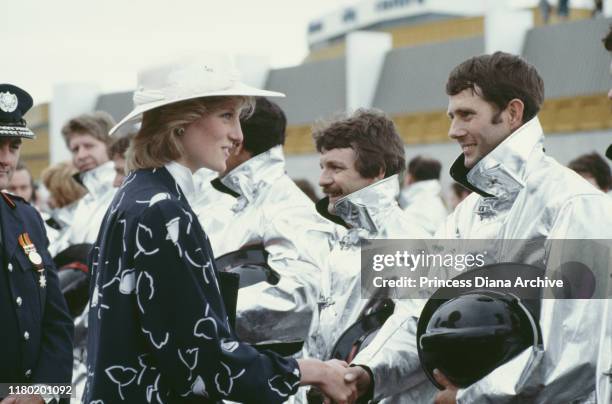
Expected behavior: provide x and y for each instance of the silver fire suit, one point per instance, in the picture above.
(422, 200)
(269, 209)
(205, 198)
(91, 208)
(371, 212)
(524, 194)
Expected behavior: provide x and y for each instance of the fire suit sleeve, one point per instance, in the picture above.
(393, 358)
(564, 368)
(297, 243)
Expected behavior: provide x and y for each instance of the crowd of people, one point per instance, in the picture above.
(181, 263)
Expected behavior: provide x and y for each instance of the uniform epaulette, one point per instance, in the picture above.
(9, 201)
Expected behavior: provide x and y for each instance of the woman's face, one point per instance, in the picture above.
(210, 140)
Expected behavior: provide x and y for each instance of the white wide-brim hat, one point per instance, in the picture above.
(209, 75)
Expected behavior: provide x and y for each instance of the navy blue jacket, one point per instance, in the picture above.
(158, 329)
(36, 332)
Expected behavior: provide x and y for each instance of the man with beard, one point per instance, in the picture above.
(361, 157)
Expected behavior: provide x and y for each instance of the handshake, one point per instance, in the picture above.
(334, 380)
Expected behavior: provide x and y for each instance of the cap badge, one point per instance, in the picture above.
(8, 101)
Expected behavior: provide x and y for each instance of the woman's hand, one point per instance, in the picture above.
(329, 378)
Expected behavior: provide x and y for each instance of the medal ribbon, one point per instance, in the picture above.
(30, 251)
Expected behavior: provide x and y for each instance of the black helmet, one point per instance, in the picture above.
(469, 336)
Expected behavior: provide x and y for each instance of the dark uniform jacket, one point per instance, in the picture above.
(36, 332)
(158, 328)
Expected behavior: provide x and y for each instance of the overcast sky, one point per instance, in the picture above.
(49, 42)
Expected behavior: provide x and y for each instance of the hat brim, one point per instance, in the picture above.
(16, 131)
(238, 89)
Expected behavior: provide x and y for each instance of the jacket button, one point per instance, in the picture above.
(10, 267)
(28, 373)
(26, 335)
(19, 300)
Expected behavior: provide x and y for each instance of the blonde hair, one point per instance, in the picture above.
(157, 143)
(64, 189)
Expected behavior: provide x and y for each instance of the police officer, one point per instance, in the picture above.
(36, 331)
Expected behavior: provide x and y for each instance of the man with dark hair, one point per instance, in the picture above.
(36, 331)
(22, 183)
(520, 193)
(116, 152)
(87, 138)
(261, 206)
(361, 157)
(420, 198)
(364, 148)
(593, 168)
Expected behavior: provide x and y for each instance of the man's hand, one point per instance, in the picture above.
(23, 399)
(329, 378)
(449, 394)
(333, 386)
(360, 377)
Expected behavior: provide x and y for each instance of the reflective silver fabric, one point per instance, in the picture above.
(393, 358)
(370, 212)
(604, 363)
(91, 208)
(536, 198)
(271, 210)
(422, 201)
(64, 217)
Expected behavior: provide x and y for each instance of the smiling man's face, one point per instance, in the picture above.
(476, 125)
(339, 176)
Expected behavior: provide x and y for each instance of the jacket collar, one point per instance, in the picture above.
(12, 226)
(256, 173)
(364, 208)
(427, 187)
(501, 173)
(98, 180)
(183, 177)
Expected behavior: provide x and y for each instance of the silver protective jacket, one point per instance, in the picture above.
(422, 200)
(371, 212)
(523, 194)
(90, 209)
(269, 209)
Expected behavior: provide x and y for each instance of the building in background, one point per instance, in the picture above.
(396, 55)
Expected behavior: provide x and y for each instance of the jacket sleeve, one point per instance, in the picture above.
(563, 369)
(182, 315)
(393, 358)
(284, 312)
(55, 357)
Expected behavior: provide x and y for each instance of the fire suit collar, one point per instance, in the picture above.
(99, 180)
(321, 207)
(256, 173)
(501, 173)
(419, 188)
(362, 209)
(184, 179)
